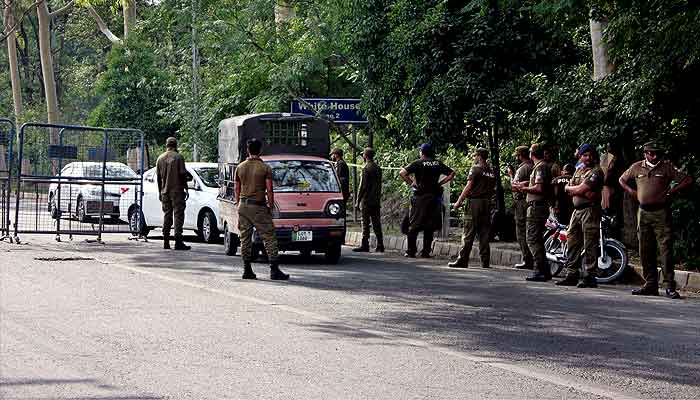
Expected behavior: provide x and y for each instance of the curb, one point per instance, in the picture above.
(685, 280)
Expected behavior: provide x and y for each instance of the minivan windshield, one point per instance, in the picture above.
(303, 176)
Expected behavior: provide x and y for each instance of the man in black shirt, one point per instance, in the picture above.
(425, 214)
(563, 204)
(341, 168)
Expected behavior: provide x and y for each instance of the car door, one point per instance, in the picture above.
(152, 210)
(194, 201)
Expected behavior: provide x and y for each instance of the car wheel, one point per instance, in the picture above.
(80, 211)
(53, 209)
(333, 253)
(137, 223)
(208, 230)
(230, 242)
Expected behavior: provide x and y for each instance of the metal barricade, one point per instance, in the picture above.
(77, 180)
(7, 135)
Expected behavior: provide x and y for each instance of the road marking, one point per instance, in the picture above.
(498, 363)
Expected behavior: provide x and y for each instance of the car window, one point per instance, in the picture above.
(303, 176)
(208, 175)
(111, 171)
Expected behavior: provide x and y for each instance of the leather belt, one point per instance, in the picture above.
(252, 202)
(537, 203)
(652, 207)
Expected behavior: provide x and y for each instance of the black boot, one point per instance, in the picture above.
(458, 263)
(166, 242)
(276, 274)
(248, 271)
(180, 245)
(363, 248)
(380, 246)
(588, 282)
(569, 280)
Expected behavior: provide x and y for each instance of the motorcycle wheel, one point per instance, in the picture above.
(613, 265)
(554, 246)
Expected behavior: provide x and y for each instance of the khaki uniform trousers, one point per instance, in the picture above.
(259, 217)
(536, 219)
(520, 208)
(371, 217)
(655, 227)
(173, 205)
(583, 236)
(477, 222)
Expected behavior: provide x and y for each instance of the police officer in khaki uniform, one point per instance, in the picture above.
(522, 174)
(369, 199)
(583, 231)
(481, 186)
(539, 192)
(653, 177)
(172, 180)
(255, 200)
(341, 168)
(425, 213)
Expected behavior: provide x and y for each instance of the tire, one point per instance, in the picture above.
(208, 231)
(53, 208)
(137, 223)
(554, 246)
(614, 266)
(333, 253)
(80, 211)
(230, 242)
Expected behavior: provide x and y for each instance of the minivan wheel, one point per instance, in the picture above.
(80, 211)
(208, 230)
(136, 226)
(230, 242)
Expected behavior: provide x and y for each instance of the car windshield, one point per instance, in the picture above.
(303, 176)
(208, 176)
(112, 171)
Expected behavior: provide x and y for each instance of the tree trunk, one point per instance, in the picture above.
(12, 58)
(496, 163)
(129, 17)
(47, 71)
(601, 62)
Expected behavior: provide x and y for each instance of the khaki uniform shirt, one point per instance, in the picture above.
(484, 181)
(541, 174)
(593, 178)
(522, 174)
(370, 193)
(653, 182)
(171, 172)
(252, 174)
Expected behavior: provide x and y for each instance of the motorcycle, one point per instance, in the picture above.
(613, 254)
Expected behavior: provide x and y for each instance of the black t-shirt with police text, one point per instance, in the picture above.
(427, 175)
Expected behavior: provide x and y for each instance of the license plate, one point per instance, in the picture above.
(302, 236)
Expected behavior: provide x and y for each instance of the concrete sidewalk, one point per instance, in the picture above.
(502, 253)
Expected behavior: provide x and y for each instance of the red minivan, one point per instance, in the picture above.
(309, 212)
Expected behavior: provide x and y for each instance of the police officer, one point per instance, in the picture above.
(341, 168)
(653, 177)
(522, 174)
(255, 200)
(425, 213)
(172, 190)
(481, 186)
(538, 191)
(369, 198)
(583, 231)
(550, 157)
(563, 205)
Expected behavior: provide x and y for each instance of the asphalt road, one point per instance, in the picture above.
(127, 320)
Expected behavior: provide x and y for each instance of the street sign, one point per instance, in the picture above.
(341, 111)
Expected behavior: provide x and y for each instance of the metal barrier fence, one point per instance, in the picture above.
(78, 180)
(7, 135)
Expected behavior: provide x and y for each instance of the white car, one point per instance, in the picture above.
(83, 199)
(201, 214)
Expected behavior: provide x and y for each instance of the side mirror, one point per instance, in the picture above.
(192, 185)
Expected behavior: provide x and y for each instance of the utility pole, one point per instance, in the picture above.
(195, 83)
